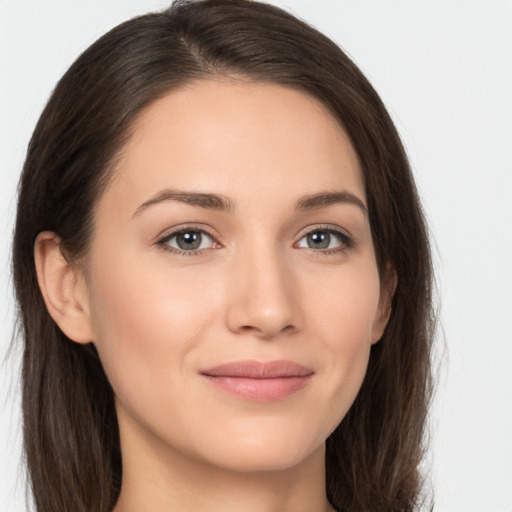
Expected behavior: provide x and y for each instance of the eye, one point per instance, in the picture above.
(325, 240)
(188, 240)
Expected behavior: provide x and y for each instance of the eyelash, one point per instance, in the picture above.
(346, 242)
(163, 242)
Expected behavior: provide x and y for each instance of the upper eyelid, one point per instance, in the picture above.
(162, 241)
(170, 232)
(213, 234)
(323, 227)
(347, 241)
(173, 234)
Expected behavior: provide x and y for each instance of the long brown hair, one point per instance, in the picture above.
(70, 427)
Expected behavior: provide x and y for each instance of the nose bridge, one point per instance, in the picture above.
(262, 301)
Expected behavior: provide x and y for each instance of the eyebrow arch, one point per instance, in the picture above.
(314, 201)
(203, 200)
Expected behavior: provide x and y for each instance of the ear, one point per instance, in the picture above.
(387, 290)
(63, 288)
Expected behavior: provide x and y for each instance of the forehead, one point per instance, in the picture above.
(235, 138)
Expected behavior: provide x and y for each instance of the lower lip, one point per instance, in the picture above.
(260, 390)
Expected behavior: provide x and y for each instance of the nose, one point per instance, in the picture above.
(263, 299)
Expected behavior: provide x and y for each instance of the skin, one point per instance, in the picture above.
(257, 290)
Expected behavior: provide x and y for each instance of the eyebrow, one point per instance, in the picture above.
(202, 200)
(218, 202)
(323, 199)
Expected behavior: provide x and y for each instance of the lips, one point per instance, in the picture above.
(257, 381)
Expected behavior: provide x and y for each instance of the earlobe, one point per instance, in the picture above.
(63, 288)
(388, 287)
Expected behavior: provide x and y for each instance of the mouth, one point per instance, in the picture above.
(258, 381)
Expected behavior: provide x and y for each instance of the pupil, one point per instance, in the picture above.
(319, 240)
(189, 240)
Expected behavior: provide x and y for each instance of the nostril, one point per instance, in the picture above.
(266, 332)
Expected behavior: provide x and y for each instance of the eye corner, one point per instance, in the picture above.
(196, 240)
(327, 238)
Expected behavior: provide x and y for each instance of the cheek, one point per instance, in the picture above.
(344, 305)
(343, 316)
(147, 321)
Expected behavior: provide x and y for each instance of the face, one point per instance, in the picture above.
(232, 283)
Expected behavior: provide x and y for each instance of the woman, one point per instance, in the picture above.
(223, 276)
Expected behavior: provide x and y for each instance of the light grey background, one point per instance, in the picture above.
(444, 69)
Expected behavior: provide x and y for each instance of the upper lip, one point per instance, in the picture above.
(259, 370)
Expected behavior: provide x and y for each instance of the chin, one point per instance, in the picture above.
(268, 450)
